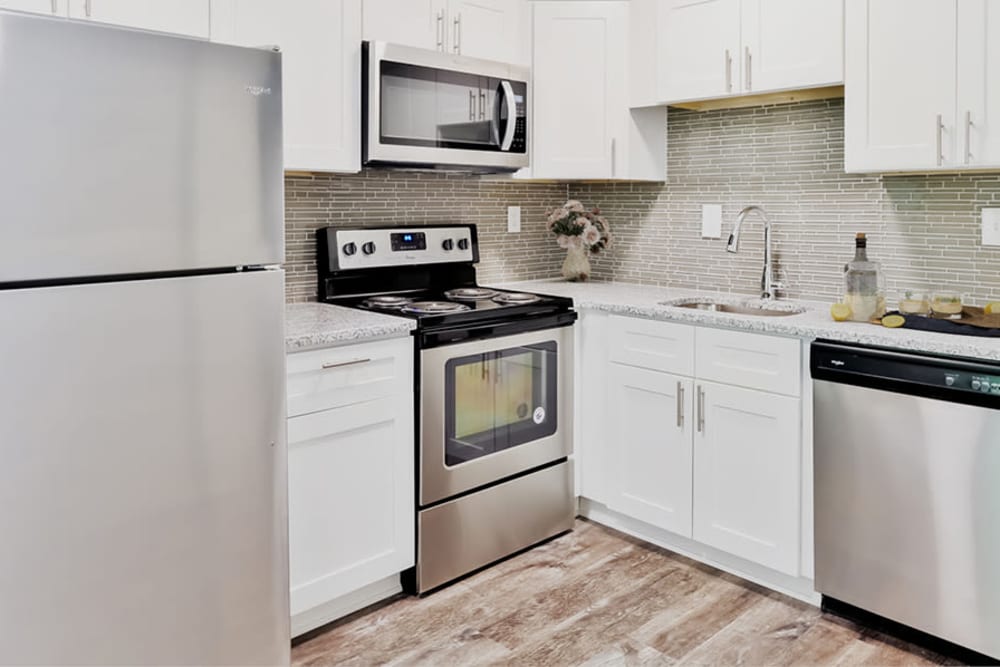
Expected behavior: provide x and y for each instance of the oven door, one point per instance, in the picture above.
(436, 109)
(494, 408)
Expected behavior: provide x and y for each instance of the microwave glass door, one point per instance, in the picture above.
(498, 400)
(438, 108)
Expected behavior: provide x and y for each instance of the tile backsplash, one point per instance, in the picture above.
(790, 160)
(787, 158)
(379, 197)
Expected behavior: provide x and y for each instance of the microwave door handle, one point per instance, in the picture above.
(508, 96)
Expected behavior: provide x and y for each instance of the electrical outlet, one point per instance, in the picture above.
(991, 226)
(711, 221)
(513, 219)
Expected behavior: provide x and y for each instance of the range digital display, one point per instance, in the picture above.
(405, 241)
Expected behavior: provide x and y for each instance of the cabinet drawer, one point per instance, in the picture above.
(756, 361)
(657, 346)
(337, 376)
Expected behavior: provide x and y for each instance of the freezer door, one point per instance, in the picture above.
(126, 151)
(143, 478)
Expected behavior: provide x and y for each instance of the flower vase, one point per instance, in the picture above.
(576, 267)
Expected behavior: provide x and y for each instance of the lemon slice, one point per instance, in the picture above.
(992, 307)
(840, 312)
(893, 321)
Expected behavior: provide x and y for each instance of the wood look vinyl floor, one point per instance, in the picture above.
(597, 597)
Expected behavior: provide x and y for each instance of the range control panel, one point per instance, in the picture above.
(401, 246)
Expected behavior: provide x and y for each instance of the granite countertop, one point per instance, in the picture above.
(312, 325)
(815, 322)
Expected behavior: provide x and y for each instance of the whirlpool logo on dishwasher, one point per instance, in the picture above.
(837, 362)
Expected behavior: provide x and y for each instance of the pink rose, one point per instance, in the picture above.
(590, 235)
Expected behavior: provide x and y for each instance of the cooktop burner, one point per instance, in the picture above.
(433, 307)
(516, 298)
(470, 293)
(387, 302)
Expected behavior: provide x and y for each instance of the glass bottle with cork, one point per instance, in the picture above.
(864, 287)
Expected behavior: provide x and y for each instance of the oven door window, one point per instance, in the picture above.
(498, 400)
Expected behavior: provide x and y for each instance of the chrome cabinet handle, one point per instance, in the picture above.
(55, 6)
(87, 8)
(701, 409)
(748, 68)
(680, 405)
(341, 364)
(439, 33)
(613, 157)
(939, 128)
(729, 72)
(968, 137)
(457, 25)
(472, 104)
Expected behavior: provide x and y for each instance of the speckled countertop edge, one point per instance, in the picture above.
(317, 325)
(645, 301)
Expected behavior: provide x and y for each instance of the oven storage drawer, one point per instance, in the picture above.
(464, 534)
(339, 376)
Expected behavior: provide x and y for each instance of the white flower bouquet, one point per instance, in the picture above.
(576, 227)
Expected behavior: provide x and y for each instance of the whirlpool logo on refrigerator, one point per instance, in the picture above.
(257, 91)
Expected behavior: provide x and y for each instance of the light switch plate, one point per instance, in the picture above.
(991, 226)
(711, 221)
(513, 218)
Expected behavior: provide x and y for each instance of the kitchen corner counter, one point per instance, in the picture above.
(645, 301)
(314, 325)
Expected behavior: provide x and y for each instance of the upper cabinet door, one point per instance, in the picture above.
(579, 91)
(489, 29)
(789, 44)
(183, 17)
(979, 83)
(900, 79)
(419, 23)
(698, 44)
(56, 7)
(320, 41)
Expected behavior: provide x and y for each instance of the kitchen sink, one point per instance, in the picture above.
(756, 308)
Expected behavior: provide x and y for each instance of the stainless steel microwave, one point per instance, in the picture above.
(426, 109)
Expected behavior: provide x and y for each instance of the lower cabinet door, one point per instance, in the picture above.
(649, 447)
(746, 474)
(350, 498)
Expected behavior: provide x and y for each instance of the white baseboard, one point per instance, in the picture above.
(796, 587)
(345, 604)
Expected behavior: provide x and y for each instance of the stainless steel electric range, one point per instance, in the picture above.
(494, 392)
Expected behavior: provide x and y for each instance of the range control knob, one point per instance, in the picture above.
(463, 244)
(447, 244)
(349, 249)
(368, 248)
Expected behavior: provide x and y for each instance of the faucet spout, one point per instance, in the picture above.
(767, 285)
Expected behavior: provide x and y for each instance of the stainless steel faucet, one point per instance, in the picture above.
(767, 283)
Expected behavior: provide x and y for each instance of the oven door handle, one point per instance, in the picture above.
(436, 337)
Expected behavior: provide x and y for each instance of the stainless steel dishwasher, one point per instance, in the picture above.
(907, 489)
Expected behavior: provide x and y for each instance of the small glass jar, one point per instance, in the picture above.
(914, 301)
(947, 304)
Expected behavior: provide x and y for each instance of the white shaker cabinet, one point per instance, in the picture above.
(791, 44)
(488, 29)
(710, 49)
(183, 17)
(978, 112)
(579, 90)
(901, 61)
(320, 42)
(651, 419)
(350, 476)
(747, 474)
(698, 49)
(417, 23)
(54, 7)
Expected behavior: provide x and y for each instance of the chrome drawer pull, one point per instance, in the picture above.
(341, 364)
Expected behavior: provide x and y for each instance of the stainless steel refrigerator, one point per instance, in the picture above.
(142, 436)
